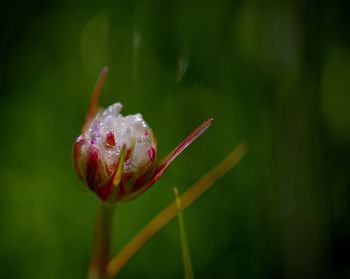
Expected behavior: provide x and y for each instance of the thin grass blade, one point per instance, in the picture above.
(186, 256)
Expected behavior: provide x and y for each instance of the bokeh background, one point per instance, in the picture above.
(275, 75)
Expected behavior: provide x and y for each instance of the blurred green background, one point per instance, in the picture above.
(276, 75)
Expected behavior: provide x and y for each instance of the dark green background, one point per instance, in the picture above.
(276, 75)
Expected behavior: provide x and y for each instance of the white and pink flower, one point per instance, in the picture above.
(115, 155)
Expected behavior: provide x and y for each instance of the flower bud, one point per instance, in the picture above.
(115, 155)
(110, 143)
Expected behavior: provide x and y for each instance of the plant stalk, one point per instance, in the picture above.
(166, 215)
(186, 256)
(102, 238)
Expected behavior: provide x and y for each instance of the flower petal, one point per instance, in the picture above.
(92, 166)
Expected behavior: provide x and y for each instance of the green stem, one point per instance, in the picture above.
(101, 246)
(186, 256)
(166, 215)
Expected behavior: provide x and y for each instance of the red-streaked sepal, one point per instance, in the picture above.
(164, 164)
(78, 160)
(93, 105)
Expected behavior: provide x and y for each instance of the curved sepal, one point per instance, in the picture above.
(164, 164)
(93, 105)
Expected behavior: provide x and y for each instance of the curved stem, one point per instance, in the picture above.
(100, 252)
(170, 212)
